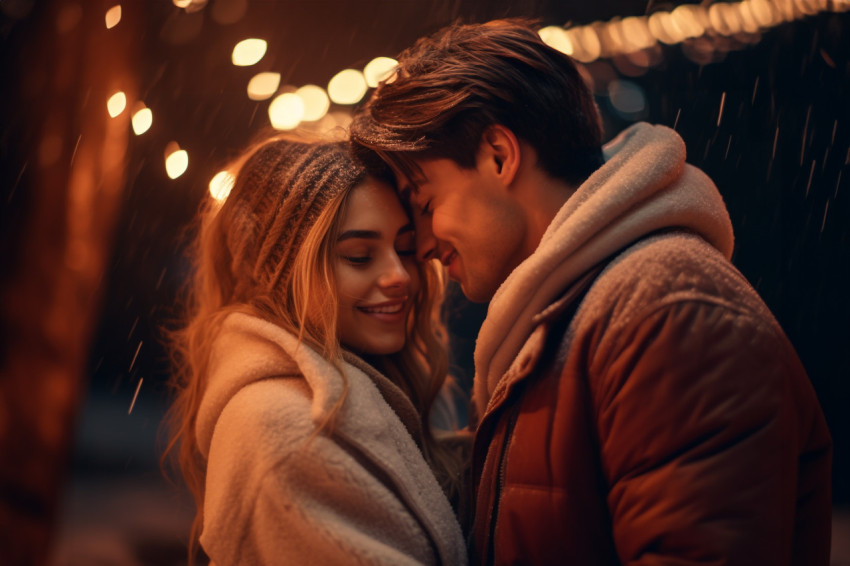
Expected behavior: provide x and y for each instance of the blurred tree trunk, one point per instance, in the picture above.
(67, 66)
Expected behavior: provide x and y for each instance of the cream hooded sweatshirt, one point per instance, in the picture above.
(279, 492)
(643, 187)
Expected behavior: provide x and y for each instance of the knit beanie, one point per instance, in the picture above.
(279, 194)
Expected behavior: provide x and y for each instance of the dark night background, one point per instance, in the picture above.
(779, 154)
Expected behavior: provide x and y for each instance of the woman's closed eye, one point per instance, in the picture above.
(357, 259)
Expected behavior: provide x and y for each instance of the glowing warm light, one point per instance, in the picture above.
(286, 111)
(263, 85)
(811, 7)
(221, 185)
(611, 37)
(557, 38)
(347, 87)
(665, 29)
(315, 101)
(113, 16)
(142, 120)
(182, 3)
(586, 42)
(747, 17)
(689, 20)
(116, 104)
(762, 11)
(249, 52)
(636, 35)
(723, 18)
(379, 69)
(176, 160)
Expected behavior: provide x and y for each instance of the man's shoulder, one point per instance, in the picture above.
(668, 269)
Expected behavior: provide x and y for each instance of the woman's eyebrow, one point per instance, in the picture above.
(362, 234)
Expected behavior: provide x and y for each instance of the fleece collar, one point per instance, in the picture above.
(643, 187)
(250, 349)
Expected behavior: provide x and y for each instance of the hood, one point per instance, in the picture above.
(249, 349)
(644, 186)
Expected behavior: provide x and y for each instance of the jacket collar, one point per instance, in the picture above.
(643, 187)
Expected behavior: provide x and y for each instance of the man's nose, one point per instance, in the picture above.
(426, 243)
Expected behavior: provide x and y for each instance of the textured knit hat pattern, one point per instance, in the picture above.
(280, 191)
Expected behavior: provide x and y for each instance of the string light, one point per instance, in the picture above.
(263, 85)
(249, 52)
(116, 104)
(142, 119)
(347, 87)
(684, 23)
(378, 69)
(286, 111)
(176, 160)
(113, 16)
(315, 101)
(632, 41)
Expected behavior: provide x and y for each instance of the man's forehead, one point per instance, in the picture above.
(408, 183)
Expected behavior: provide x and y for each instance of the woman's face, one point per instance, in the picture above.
(376, 272)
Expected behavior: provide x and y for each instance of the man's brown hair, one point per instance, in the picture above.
(450, 86)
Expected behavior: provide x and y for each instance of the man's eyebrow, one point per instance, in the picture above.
(361, 234)
(406, 228)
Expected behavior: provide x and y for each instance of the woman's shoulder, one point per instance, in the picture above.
(268, 415)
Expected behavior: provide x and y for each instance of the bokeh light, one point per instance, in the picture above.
(378, 69)
(176, 160)
(315, 101)
(627, 99)
(585, 41)
(116, 104)
(113, 16)
(142, 120)
(249, 52)
(636, 34)
(286, 111)
(556, 37)
(221, 185)
(347, 87)
(263, 85)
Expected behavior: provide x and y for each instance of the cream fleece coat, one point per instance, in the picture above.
(280, 492)
(644, 186)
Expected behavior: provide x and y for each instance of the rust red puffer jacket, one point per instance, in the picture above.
(667, 421)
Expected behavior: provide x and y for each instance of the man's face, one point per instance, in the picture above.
(466, 219)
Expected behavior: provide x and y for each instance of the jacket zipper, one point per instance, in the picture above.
(500, 482)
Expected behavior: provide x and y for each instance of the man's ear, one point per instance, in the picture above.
(500, 152)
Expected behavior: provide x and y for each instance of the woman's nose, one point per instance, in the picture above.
(395, 274)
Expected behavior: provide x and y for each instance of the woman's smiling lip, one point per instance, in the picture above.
(387, 311)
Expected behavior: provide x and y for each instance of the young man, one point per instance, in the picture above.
(637, 401)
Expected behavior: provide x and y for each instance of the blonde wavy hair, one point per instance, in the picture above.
(267, 250)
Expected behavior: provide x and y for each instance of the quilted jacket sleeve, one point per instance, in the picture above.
(704, 416)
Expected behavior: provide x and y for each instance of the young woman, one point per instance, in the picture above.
(307, 369)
